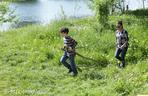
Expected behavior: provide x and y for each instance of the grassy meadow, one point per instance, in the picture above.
(29, 59)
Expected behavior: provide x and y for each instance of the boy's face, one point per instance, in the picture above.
(63, 34)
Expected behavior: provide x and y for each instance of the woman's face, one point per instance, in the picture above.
(119, 27)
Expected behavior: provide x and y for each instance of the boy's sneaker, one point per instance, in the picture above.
(121, 65)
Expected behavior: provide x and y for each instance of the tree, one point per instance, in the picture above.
(3, 10)
(102, 8)
(6, 15)
(119, 5)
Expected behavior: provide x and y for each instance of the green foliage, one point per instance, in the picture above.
(29, 60)
(5, 14)
(102, 8)
(139, 12)
(3, 10)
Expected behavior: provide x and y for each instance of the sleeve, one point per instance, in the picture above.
(73, 43)
(127, 38)
(116, 36)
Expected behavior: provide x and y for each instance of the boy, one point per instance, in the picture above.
(69, 51)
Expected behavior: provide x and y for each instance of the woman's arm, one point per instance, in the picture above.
(124, 45)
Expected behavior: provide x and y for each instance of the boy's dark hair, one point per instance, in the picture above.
(120, 22)
(64, 30)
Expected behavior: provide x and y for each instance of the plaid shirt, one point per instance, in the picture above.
(121, 38)
(69, 42)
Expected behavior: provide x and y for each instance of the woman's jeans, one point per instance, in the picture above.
(71, 66)
(120, 55)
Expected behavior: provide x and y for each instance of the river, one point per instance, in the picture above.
(44, 11)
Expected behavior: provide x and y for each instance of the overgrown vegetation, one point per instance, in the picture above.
(29, 58)
(139, 12)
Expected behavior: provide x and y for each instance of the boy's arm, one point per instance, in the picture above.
(70, 44)
(73, 45)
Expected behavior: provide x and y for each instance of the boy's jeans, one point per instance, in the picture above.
(123, 53)
(71, 66)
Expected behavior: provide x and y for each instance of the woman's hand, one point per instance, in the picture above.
(124, 45)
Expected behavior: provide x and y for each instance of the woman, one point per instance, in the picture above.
(122, 43)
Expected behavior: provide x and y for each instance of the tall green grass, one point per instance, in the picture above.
(29, 60)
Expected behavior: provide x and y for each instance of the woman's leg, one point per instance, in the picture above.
(123, 53)
(117, 54)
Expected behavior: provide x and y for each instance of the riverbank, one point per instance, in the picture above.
(29, 60)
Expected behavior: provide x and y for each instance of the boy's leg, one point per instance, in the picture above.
(123, 53)
(72, 64)
(117, 53)
(63, 60)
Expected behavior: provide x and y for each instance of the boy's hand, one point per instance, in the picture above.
(70, 49)
(63, 49)
(65, 46)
